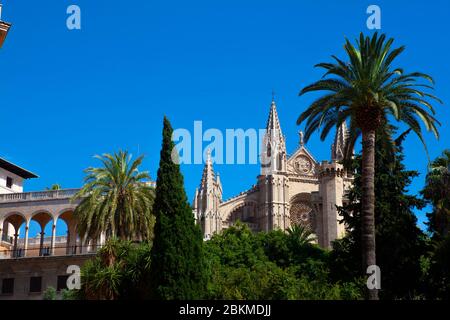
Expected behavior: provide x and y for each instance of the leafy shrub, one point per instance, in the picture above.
(273, 265)
(50, 293)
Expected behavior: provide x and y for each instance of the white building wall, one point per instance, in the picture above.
(17, 182)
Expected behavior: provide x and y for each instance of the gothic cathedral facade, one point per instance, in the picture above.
(291, 189)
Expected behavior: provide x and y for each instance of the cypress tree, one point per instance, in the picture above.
(177, 268)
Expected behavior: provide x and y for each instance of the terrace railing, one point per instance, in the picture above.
(38, 195)
(47, 240)
(46, 251)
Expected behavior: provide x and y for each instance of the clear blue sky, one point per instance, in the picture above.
(67, 95)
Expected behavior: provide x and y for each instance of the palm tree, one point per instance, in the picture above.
(300, 235)
(54, 187)
(368, 92)
(116, 200)
(437, 191)
(102, 277)
(119, 271)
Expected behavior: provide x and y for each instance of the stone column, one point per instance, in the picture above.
(16, 235)
(71, 243)
(25, 245)
(1, 237)
(41, 245)
(1, 230)
(52, 245)
(68, 249)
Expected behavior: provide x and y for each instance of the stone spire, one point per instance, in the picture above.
(274, 149)
(207, 200)
(208, 174)
(218, 180)
(338, 146)
(273, 180)
(273, 124)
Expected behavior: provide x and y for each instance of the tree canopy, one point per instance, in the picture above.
(115, 199)
(177, 270)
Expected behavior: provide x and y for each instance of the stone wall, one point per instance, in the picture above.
(48, 268)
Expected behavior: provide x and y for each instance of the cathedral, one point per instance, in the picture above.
(291, 190)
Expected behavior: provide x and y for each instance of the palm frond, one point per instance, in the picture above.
(366, 88)
(115, 199)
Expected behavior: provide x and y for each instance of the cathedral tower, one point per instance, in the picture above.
(332, 188)
(273, 181)
(290, 190)
(207, 199)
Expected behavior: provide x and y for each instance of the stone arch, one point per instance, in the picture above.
(302, 211)
(67, 215)
(72, 241)
(43, 217)
(10, 228)
(246, 212)
(15, 218)
(9, 232)
(44, 241)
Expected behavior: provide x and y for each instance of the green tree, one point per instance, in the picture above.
(102, 276)
(367, 90)
(177, 270)
(276, 247)
(437, 192)
(300, 235)
(400, 243)
(67, 294)
(115, 199)
(439, 271)
(55, 186)
(118, 271)
(270, 265)
(50, 293)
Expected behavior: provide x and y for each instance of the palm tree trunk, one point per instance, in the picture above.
(368, 204)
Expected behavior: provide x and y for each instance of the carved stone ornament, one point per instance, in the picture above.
(303, 165)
